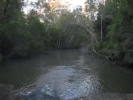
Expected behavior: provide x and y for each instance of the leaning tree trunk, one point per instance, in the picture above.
(93, 35)
(91, 32)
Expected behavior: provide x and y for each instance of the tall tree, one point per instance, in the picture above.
(4, 9)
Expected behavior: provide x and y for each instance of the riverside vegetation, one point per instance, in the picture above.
(109, 33)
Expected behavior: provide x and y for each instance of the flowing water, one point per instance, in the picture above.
(65, 75)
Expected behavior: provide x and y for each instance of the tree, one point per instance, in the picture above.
(4, 9)
(117, 18)
(10, 16)
(91, 7)
(38, 34)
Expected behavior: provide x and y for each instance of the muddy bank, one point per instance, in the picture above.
(107, 96)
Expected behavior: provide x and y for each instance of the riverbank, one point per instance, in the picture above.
(112, 59)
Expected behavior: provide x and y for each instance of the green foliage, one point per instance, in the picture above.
(53, 36)
(118, 32)
(18, 35)
(37, 33)
(22, 35)
(129, 57)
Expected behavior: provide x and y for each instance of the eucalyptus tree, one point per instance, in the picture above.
(91, 7)
(42, 9)
(117, 23)
(86, 22)
(11, 29)
(63, 24)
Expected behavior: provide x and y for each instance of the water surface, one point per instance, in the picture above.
(66, 74)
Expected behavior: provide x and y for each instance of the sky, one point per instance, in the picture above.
(76, 2)
(73, 3)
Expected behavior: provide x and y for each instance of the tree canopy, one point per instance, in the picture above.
(50, 25)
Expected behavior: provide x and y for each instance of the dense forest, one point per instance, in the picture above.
(104, 27)
(26, 34)
(116, 21)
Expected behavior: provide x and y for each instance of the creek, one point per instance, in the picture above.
(65, 75)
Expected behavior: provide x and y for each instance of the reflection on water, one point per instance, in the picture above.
(67, 83)
(66, 75)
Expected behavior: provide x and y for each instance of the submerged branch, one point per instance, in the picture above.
(98, 53)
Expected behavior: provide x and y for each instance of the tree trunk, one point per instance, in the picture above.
(71, 39)
(93, 35)
(59, 41)
(4, 11)
(101, 29)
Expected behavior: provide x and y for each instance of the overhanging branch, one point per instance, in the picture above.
(93, 36)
